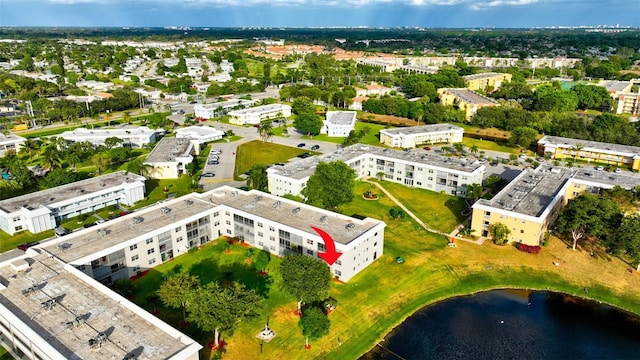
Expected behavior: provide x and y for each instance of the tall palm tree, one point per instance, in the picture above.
(51, 158)
(30, 146)
(265, 130)
(72, 158)
(459, 148)
(137, 166)
(474, 149)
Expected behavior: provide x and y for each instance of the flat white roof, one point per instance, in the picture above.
(260, 109)
(423, 129)
(341, 117)
(68, 191)
(83, 133)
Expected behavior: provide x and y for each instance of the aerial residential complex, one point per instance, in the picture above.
(10, 143)
(133, 137)
(168, 160)
(531, 202)
(585, 150)
(43, 210)
(411, 168)
(338, 123)
(255, 115)
(412, 136)
(465, 99)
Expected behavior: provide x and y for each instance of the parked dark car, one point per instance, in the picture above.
(304, 155)
(302, 145)
(315, 147)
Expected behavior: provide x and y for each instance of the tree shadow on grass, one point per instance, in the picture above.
(247, 275)
(207, 270)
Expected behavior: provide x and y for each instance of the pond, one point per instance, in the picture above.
(514, 324)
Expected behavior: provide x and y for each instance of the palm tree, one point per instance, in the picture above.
(51, 158)
(265, 130)
(126, 117)
(258, 178)
(380, 175)
(474, 149)
(72, 158)
(100, 161)
(459, 148)
(30, 146)
(137, 166)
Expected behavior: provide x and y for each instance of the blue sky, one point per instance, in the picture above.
(312, 13)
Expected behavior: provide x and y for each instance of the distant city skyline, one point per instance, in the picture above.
(320, 13)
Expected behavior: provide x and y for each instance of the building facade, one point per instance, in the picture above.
(338, 123)
(135, 137)
(410, 168)
(530, 204)
(485, 81)
(10, 144)
(199, 135)
(43, 210)
(465, 99)
(409, 137)
(213, 110)
(255, 115)
(590, 151)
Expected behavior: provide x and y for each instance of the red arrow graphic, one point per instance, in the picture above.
(330, 255)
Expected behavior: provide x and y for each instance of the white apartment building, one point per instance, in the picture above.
(255, 115)
(338, 123)
(410, 168)
(49, 310)
(43, 210)
(209, 111)
(168, 160)
(409, 137)
(136, 242)
(199, 135)
(10, 143)
(132, 137)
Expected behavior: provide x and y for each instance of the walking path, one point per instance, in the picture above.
(451, 235)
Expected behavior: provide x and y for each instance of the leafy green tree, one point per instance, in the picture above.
(59, 177)
(308, 123)
(100, 161)
(258, 177)
(303, 105)
(593, 97)
(548, 98)
(51, 158)
(214, 308)
(30, 146)
(500, 233)
(523, 136)
(330, 185)
(176, 291)
(588, 215)
(474, 191)
(314, 323)
(262, 260)
(112, 142)
(305, 278)
(137, 166)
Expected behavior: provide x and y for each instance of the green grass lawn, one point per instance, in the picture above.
(258, 152)
(371, 138)
(440, 211)
(489, 145)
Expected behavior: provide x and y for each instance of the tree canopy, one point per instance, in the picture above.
(305, 278)
(330, 185)
(176, 290)
(314, 323)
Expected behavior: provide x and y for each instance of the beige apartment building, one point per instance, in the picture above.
(486, 81)
(465, 99)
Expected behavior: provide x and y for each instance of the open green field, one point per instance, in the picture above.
(259, 152)
(489, 145)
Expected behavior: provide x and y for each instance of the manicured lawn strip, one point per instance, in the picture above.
(439, 211)
(155, 189)
(9, 242)
(489, 145)
(258, 152)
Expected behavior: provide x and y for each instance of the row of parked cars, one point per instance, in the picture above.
(314, 147)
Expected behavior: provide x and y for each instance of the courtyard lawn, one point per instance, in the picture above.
(371, 138)
(440, 211)
(259, 152)
(489, 145)
(155, 189)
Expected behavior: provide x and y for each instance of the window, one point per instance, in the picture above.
(179, 239)
(259, 224)
(309, 252)
(215, 214)
(227, 213)
(321, 247)
(260, 234)
(272, 238)
(271, 228)
(338, 273)
(338, 262)
(152, 261)
(17, 218)
(134, 257)
(228, 222)
(178, 228)
(133, 247)
(228, 231)
(136, 268)
(521, 231)
(260, 243)
(310, 242)
(217, 223)
(151, 251)
(149, 241)
(18, 228)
